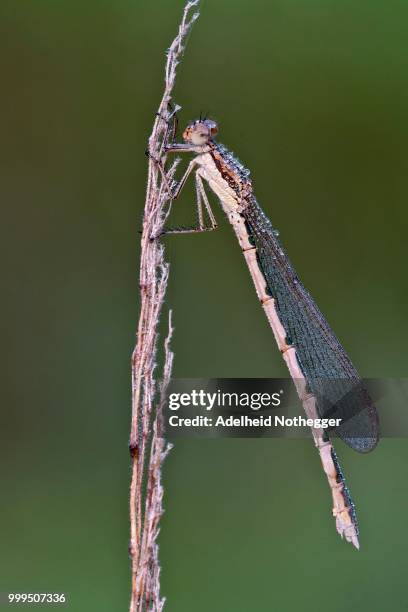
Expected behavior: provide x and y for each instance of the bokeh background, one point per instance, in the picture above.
(313, 98)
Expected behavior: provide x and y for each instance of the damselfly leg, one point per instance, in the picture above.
(201, 198)
(173, 115)
(171, 119)
(201, 191)
(174, 192)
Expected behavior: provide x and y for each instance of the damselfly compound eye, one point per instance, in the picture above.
(213, 127)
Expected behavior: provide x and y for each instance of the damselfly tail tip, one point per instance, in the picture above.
(353, 539)
(348, 532)
(356, 543)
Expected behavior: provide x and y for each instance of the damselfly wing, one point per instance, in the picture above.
(329, 372)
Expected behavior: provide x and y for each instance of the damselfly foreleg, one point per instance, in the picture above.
(173, 193)
(179, 187)
(170, 118)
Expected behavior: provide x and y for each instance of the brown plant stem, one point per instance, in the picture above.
(147, 445)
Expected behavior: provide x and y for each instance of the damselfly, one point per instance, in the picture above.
(325, 379)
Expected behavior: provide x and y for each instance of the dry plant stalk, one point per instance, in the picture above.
(147, 445)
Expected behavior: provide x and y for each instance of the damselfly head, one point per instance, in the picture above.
(200, 131)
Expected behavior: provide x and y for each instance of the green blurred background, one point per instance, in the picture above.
(312, 96)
